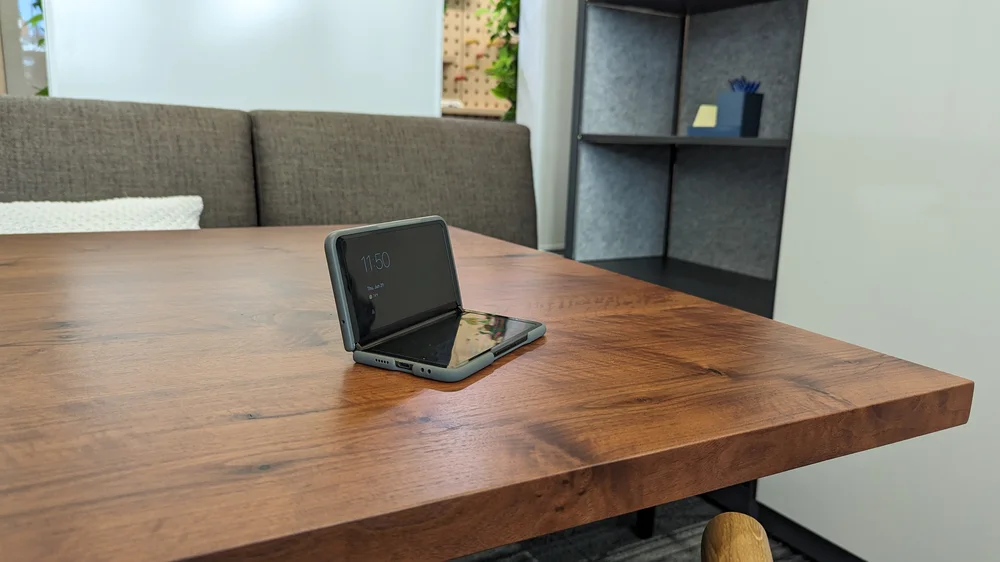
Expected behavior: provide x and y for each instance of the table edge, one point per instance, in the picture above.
(525, 504)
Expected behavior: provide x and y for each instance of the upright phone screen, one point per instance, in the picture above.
(456, 339)
(397, 277)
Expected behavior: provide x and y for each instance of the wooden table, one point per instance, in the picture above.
(176, 394)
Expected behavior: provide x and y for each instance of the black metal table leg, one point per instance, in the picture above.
(753, 508)
(645, 522)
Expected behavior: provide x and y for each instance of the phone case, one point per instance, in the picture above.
(347, 327)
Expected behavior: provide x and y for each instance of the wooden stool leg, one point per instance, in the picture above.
(645, 522)
(735, 537)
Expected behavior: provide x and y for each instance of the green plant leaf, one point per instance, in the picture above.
(503, 91)
(502, 26)
(43, 92)
(41, 42)
(35, 20)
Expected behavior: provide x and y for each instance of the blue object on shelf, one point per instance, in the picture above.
(713, 131)
(743, 85)
(740, 110)
(738, 116)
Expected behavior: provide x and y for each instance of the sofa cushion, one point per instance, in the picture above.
(338, 168)
(83, 150)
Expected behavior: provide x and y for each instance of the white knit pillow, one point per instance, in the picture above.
(127, 213)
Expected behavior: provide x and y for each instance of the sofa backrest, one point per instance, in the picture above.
(80, 150)
(339, 168)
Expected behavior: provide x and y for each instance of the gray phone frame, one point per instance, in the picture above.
(348, 327)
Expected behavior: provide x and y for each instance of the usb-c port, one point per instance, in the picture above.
(402, 365)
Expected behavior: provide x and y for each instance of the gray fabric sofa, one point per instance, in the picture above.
(270, 168)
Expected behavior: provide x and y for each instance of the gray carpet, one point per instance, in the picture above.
(677, 539)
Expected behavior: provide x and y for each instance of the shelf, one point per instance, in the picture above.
(732, 289)
(678, 6)
(685, 141)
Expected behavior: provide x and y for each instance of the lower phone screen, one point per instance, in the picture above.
(453, 341)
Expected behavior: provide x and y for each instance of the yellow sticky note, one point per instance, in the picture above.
(707, 115)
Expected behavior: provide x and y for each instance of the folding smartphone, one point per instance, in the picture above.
(400, 307)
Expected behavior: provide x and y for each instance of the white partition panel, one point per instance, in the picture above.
(891, 229)
(544, 94)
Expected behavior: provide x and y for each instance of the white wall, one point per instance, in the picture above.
(544, 103)
(370, 56)
(891, 230)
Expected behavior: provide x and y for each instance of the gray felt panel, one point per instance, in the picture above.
(761, 42)
(630, 72)
(726, 208)
(621, 201)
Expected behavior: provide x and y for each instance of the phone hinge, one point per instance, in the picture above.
(409, 329)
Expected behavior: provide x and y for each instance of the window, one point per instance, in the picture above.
(22, 35)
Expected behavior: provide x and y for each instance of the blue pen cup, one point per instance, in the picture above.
(739, 111)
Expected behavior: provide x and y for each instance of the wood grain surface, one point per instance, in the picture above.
(176, 394)
(735, 537)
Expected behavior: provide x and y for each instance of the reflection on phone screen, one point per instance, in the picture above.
(455, 340)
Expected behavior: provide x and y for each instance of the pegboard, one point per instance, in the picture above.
(468, 53)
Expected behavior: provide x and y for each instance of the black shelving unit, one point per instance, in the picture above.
(732, 289)
(673, 140)
(682, 6)
(697, 214)
(700, 215)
